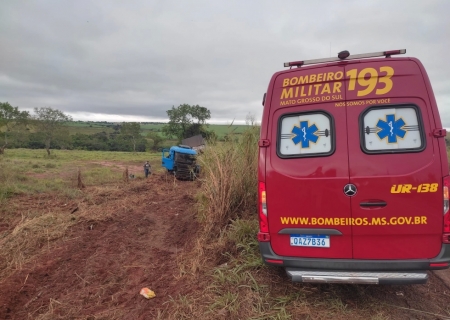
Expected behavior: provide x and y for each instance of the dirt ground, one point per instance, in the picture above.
(97, 270)
(128, 237)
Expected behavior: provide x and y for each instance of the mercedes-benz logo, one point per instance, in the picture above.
(350, 190)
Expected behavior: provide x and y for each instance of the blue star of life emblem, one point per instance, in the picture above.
(391, 128)
(304, 134)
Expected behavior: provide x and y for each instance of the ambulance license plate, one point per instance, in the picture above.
(310, 240)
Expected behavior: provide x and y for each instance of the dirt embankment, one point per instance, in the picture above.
(126, 238)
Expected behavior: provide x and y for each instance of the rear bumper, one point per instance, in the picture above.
(357, 277)
(407, 271)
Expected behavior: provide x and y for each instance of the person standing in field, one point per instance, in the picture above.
(147, 168)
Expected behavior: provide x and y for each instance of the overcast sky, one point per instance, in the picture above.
(133, 60)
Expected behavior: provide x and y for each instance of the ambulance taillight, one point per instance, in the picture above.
(445, 189)
(263, 234)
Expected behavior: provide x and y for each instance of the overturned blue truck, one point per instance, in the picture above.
(181, 161)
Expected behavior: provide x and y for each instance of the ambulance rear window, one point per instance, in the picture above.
(308, 134)
(392, 129)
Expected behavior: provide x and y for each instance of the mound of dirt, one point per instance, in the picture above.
(126, 238)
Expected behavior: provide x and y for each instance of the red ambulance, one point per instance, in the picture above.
(353, 172)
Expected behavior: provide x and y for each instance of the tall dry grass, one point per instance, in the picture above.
(229, 186)
(228, 192)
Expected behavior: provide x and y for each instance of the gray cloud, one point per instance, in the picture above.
(139, 58)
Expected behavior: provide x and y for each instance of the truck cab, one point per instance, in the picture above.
(181, 161)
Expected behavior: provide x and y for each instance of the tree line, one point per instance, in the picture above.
(47, 129)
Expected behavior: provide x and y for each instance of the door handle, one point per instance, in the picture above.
(373, 204)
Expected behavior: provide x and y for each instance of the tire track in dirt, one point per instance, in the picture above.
(99, 267)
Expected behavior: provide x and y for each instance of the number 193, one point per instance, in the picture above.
(368, 78)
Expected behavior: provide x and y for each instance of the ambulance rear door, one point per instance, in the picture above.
(307, 165)
(394, 161)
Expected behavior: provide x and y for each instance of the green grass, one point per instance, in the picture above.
(26, 171)
(222, 130)
(96, 127)
(89, 130)
(39, 156)
(236, 286)
(153, 126)
(85, 123)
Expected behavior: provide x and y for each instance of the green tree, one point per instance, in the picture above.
(185, 121)
(133, 131)
(50, 122)
(156, 138)
(10, 118)
(63, 139)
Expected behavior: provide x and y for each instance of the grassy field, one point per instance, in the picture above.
(95, 127)
(32, 171)
(72, 156)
